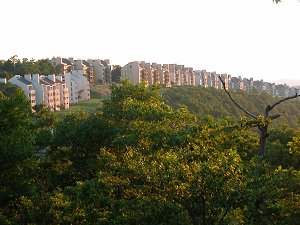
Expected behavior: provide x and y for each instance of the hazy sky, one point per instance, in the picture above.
(250, 38)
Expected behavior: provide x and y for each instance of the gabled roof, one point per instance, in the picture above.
(66, 61)
(48, 80)
(22, 79)
(43, 81)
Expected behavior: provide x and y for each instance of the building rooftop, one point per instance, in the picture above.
(86, 63)
(66, 61)
(104, 63)
(42, 81)
(47, 80)
(22, 79)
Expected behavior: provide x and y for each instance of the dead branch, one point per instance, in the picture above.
(240, 107)
(276, 116)
(282, 100)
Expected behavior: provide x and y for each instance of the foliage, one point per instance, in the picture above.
(136, 160)
(17, 160)
(116, 74)
(15, 66)
(8, 89)
(43, 121)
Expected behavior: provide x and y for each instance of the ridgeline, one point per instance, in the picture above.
(203, 101)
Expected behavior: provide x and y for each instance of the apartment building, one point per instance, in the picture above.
(236, 83)
(173, 79)
(248, 84)
(150, 73)
(225, 78)
(102, 70)
(65, 64)
(86, 67)
(60, 91)
(282, 90)
(78, 85)
(165, 77)
(26, 86)
(134, 72)
(50, 90)
(191, 76)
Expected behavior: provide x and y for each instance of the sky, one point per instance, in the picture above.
(248, 38)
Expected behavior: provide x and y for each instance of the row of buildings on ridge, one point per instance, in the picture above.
(178, 75)
(73, 83)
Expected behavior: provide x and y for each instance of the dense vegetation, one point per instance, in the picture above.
(138, 161)
(210, 101)
(14, 66)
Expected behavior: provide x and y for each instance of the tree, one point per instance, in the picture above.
(59, 69)
(43, 123)
(17, 161)
(30, 66)
(264, 120)
(45, 66)
(8, 89)
(153, 160)
(116, 73)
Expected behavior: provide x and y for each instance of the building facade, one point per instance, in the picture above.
(78, 85)
(26, 86)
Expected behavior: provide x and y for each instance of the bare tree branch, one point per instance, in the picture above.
(276, 116)
(240, 107)
(282, 100)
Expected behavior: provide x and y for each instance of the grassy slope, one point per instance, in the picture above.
(98, 94)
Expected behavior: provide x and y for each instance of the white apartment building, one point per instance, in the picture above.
(78, 85)
(26, 86)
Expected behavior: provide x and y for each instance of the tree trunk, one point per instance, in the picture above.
(263, 141)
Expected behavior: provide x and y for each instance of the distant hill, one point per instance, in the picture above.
(202, 101)
(290, 83)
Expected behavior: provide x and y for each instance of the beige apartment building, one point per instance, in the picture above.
(65, 64)
(102, 70)
(40, 89)
(134, 72)
(86, 67)
(150, 73)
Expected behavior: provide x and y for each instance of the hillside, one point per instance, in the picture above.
(202, 101)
